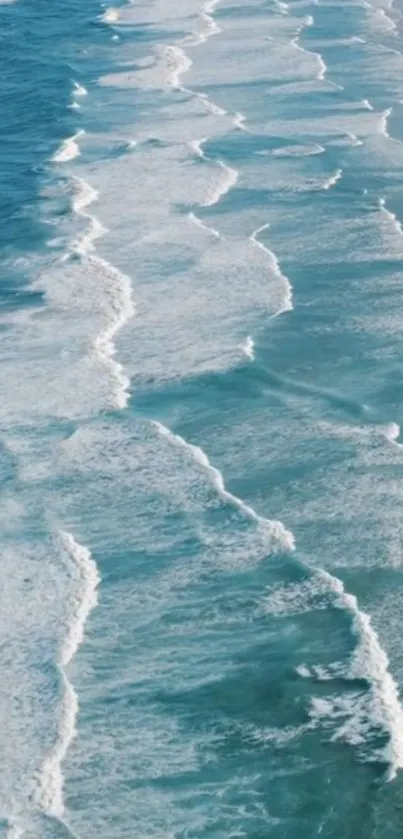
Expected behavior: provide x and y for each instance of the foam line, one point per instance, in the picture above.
(199, 223)
(280, 538)
(84, 572)
(275, 265)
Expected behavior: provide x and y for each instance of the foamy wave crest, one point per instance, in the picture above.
(280, 539)
(69, 149)
(225, 183)
(79, 90)
(333, 179)
(84, 195)
(83, 569)
(383, 124)
(249, 348)
(120, 305)
(392, 433)
(121, 310)
(380, 707)
(239, 122)
(397, 225)
(110, 15)
(275, 266)
(210, 26)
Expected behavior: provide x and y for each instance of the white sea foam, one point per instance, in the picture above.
(239, 122)
(110, 15)
(392, 433)
(211, 106)
(249, 348)
(69, 149)
(296, 150)
(49, 795)
(383, 123)
(79, 90)
(210, 27)
(354, 139)
(303, 671)
(275, 266)
(121, 306)
(333, 179)
(177, 63)
(280, 538)
(196, 146)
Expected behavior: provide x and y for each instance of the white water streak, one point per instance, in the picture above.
(69, 149)
(333, 179)
(121, 307)
(275, 265)
(280, 538)
(85, 575)
(249, 348)
(201, 224)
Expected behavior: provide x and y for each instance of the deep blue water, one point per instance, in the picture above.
(201, 404)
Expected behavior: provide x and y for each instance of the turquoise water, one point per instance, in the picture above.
(201, 403)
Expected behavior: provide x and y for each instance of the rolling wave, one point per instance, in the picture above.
(382, 707)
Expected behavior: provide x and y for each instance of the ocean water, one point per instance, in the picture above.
(200, 409)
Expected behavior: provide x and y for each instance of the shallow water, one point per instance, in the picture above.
(200, 419)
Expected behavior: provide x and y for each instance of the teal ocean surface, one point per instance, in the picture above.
(201, 338)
